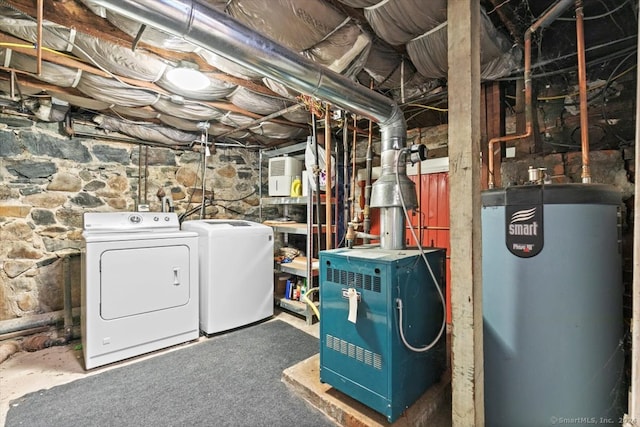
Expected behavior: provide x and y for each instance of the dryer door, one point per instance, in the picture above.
(141, 280)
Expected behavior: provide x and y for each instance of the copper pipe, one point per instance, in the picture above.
(345, 173)
(419, 191)
(435, 227)
(366, 221)
(139, 201)
(528, 112)
(327, 149)
(350, 235)
(39, 39)
(542, 22)
(352, 195)
(582, 83)
(366, 212)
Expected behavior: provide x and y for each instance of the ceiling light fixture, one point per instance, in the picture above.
(185, 76)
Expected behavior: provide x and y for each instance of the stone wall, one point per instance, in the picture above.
(607, 167)
(48, 182)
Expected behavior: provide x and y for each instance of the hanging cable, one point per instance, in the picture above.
(604, 96)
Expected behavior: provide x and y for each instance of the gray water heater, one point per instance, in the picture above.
(552, 305)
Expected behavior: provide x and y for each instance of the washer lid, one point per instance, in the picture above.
(220, 223)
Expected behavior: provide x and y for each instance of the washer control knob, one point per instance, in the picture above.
(166, 218)
(155, 218)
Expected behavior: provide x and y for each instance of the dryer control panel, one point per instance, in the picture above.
(130, 221)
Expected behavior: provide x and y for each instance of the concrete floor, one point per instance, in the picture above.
(25, 372)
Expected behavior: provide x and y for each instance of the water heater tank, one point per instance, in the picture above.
(552, 305)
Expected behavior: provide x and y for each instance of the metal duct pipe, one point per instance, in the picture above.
(386, 190)
(207, 27)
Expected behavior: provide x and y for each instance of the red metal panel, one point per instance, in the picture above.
(434, 210)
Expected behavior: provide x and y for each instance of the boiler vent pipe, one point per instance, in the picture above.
(207, 27)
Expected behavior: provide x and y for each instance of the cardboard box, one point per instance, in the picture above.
(280, 283)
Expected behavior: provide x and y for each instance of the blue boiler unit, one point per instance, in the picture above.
(362, 353)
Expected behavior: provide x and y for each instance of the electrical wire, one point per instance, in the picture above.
(33, 46)
(428, 107)
(399, 305)
(193, 210)
(602, 15)
(604, 92)
(228, 209)
(238, 199)
(619, 53)
(591, 88)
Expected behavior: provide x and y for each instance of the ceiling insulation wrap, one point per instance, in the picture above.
(146, 132)
(292, 24)
(497, 55)
(51, 73)
(115, 92)
(399, 21)
(403, 57)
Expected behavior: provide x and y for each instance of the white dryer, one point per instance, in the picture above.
(236, 272)
(139, 285)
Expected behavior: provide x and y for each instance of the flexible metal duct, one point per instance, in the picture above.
(205, 26)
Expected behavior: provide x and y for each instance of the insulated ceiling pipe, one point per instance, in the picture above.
(207, 27)
(545, 20)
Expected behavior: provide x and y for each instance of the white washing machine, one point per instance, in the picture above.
(139, 285)
(236, 273)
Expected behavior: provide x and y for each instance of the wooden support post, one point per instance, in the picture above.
(464, 175)
(634, 395)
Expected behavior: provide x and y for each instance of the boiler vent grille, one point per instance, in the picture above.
(354, 280)
(354, 351)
